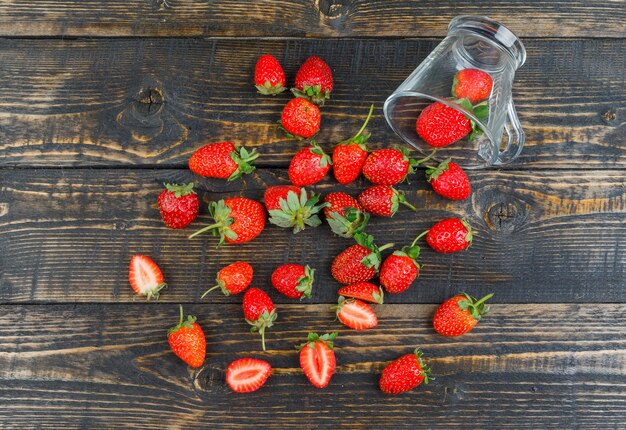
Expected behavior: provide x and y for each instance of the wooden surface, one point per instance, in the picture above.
(103, 101)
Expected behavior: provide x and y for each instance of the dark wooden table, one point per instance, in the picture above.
(102, 101)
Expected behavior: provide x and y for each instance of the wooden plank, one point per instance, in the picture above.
(553, 236)
(380, 18)
(146, 102)
(110, 366)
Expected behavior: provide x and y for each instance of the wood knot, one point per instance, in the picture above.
(505, 216)
(334, 9)
(609, 116)
(209, 379)
(149, 101)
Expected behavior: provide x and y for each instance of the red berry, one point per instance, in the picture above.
(344, 214)
(294, 280)
(350, 154)
(387, 166)
(449, 180)
(459, 314)
(440, 125)
(292, 207)
(404, 374)
(259, 311)
(314, 80)
(222, 160)
(309, 165)
(247, 374)
(382, 200)
(187, 341)
(301, 118)
(364, 291)
(450, 235)
(398, 272)
(355, 314)
(233, 279)
(358, 263)
(178, 205)
(269, 77)
(317, 358)
(472, 84)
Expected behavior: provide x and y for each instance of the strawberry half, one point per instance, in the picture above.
(247, 374)
(344, 214)
(187, 340)
(349, 155)
(269, 76)
(292, 207)
(449, 180)
(145, 277)
(365, 291)
(317, 358)
(355, 314)
(222, 160)
(237, 220)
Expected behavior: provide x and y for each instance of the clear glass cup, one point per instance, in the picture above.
(474, 42)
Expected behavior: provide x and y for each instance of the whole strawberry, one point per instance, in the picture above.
(145, 277)
(355, 314)
(259, 312)
(472, 84)
(269, 76)
(350, 154)
(459, 314)
(388, 166)
(222, 160)
(344, 214)
(292, 207)
(404, 374)
(237, 220)
(247, 374)
(365, 291)
(233, 279)
(400, 269)
(294, 280)
(178, 205)
(440, 125)
(449, 180)
(383, 200)
(309, 165)
(317, 358)
(187, 341)
(359, 262)
(301, 118)
(450, 235)
(314, 80)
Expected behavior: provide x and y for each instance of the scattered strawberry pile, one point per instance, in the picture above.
(239, 219)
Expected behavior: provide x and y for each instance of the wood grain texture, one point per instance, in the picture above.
(335, 18)
(553, 236)
(146, 102)
(87, 366)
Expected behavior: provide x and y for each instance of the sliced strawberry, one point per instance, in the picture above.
(145, 277)
(317, 358)
(247, 374)
(355, 314)
(363, 290)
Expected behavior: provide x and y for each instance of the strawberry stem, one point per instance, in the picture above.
(484, 299)
(423, 160)
(386, 246)
(369, 115)
(408, 205)
(262, 333)
(208, 291)
(203, 229)
(419, 237)
(180, 323)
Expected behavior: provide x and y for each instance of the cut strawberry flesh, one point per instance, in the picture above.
(318, 364)
(357, 315)
(247, 374)
(144, 275)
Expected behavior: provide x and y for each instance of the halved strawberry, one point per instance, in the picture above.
(355, 314)
(363, 290)
(145, 277)
(317, 358)
(247, 374)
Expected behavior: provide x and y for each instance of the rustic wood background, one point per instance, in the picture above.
(102, 101)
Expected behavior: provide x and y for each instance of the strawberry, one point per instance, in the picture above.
(472, 84)
(300, 118)
(350, 154)
(450, 235)
(401, 268)
(187, 341)
(309, 165)
(247, 374)
(269, 76)
(344, 214)
(383, 200)
(317, 358)
(237, 220)
(388, 166)
(292, 207)
(233, 279)
(363, 290)
(459, 314)
(449, 180)
(404, 374)
(178, 205)
(355, 314)
(441, 125)
(259, 311)
(222, 160)
(145, 277)
(314, 80)
(358, 263)
(293, 280)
